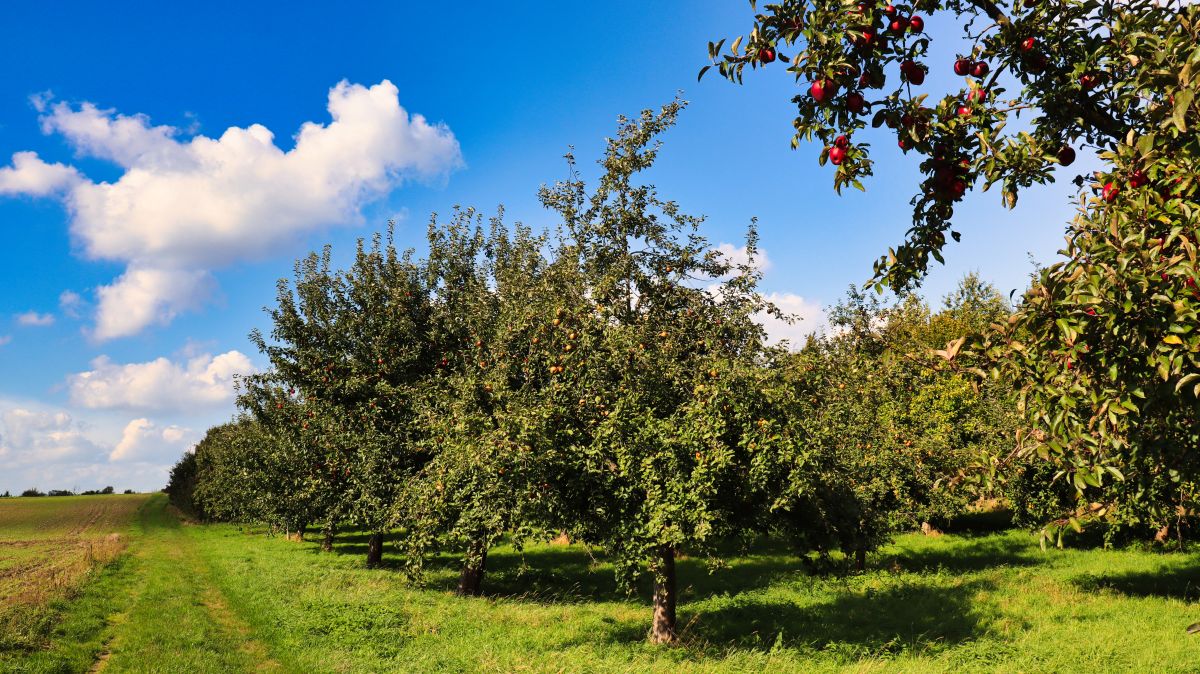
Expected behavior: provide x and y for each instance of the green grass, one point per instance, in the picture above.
(990, 603)
(217, 599)
(59, 574)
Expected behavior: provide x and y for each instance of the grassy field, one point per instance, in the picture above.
(217, 599)
(49, 548)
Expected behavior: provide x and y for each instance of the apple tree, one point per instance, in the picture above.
(883, 427)
(656, 345)
(1104, 344)
(485, 413)
(353, 349)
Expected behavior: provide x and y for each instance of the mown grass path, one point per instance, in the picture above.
(176, 619)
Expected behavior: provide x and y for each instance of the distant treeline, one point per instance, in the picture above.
(34, 491)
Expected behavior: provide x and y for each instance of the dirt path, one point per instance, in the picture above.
(177, 620)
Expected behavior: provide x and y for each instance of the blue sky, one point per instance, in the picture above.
(97, 391)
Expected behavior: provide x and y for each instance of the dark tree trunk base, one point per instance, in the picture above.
(375, 550)
(860, 559)
(470, 584)
(327, 540)
(663, 629)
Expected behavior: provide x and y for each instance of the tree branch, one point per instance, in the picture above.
(992, 11)
(1101, 120)
(1090, 112)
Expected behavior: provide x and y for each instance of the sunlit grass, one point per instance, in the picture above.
(217, 598)
(957, 602)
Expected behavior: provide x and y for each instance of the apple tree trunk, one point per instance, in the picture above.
(375, 550)
(470, 584)
(665, 597)
(327, 539)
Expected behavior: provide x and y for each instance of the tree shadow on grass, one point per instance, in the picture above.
(982, 523)
(977, 554)
(1167, 581)
(569, 574)
(740, 607)
(912, 617)
(354, 544)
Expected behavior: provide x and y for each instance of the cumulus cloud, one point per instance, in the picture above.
(31, 436)
(53, 448)
(31, 176)
(70, 302)
(32, 319)
(185, 206)
(809, 315)
(738, 255)
(143, 439)
(142, 297)
(161, 384)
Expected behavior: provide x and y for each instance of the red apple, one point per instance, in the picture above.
(841, 141)
(822, 90)
(1138, 179)
(916, 24)
(864, 40)
(1089, 81)
(912, 72)
(837, 155)
(977, 95)
(1028, 43)
(1111, 190)
(766, 55)
(962, 66)
(979, 69)
(889, 11)
(1066, 155)
(898, 25)
(958, 188)
(855, 103)
(964, 110)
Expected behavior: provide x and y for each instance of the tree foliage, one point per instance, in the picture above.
(1104, 344)
(609, 379)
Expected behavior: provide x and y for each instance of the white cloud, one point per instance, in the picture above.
(5, 339)
(52, 448)
(810, 319)
(738, 255)
(32, 319)
(160, 384)
(185, 206)
(30, 436)
(31, 176)
(146, 296)
(70, 302)
(144, 439)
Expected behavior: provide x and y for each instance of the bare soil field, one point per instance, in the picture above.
(48, 547)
